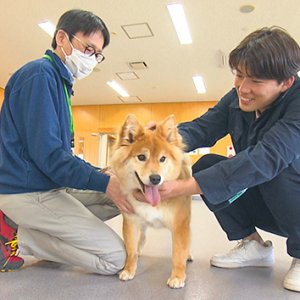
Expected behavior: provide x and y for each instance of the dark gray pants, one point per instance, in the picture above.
(270, 207)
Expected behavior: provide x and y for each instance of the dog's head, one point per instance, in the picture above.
(143, 158)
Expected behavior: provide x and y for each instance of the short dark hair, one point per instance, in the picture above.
(267, 53)
(77, 20)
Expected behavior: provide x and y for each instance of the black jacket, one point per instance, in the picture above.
(265, 146)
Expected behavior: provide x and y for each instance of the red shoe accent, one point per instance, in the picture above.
(5, 230)
(9, 259)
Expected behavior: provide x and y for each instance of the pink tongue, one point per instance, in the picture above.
(152, 194)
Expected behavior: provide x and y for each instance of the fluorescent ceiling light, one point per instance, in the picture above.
(115, 86)
(199, 84)
(48, 27)
(179, 21)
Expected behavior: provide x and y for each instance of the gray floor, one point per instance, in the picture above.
(46, 280)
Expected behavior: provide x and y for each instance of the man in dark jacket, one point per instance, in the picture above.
(59, 201)
(260, 186)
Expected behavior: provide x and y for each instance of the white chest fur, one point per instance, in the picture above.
(150, 216)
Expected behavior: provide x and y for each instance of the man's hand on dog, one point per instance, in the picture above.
(166, 190)
(114, 192)
(173, 188)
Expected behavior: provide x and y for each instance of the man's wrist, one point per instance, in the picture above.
(188, 187)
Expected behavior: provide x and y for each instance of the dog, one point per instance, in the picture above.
(143, 159)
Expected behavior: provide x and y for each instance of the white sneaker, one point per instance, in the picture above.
(292, 278)
(246, 254)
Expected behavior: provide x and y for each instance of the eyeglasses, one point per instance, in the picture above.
(89, 50)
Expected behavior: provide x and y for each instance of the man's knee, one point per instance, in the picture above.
(112, 263)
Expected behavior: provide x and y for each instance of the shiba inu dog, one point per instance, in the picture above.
(143, 159)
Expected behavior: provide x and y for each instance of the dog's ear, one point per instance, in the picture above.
(129, 131)
(168, 129)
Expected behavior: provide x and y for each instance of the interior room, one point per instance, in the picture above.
(157, 74)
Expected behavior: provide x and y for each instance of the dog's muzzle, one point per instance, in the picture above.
(150, 191)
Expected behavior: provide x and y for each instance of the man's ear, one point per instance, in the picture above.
(60, 37)
(288, 83)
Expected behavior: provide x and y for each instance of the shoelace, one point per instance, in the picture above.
(14, 250)
(14, 246)
(240, 244)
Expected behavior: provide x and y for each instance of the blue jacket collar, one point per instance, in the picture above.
(61, 67)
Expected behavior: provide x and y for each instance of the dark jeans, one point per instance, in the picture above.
(270, 207)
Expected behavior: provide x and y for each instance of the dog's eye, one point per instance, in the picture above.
(141, 157)
(162, 159)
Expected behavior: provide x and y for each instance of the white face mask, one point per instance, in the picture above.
(80, 64)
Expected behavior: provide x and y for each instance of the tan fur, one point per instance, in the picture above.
(164, 141)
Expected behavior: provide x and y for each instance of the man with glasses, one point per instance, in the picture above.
(90, 50)
(58, 201)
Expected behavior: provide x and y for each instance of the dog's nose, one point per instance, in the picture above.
(155, 179)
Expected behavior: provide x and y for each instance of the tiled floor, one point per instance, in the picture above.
(45, 280)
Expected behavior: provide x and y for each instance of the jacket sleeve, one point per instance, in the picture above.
(207, 129)
(42, 122)
(278, 149)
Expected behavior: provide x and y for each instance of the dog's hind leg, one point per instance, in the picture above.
(130, 235)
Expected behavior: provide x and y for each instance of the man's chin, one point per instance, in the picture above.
(246, 108)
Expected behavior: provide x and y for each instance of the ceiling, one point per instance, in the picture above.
(216, 26)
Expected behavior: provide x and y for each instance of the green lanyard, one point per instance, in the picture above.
(67, 98)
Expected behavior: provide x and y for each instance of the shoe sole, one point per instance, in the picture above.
(10, 270)
(260, 264)
(291, 287)
(17, 268)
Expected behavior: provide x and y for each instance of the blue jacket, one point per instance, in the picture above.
(265, 147)
(35, 139)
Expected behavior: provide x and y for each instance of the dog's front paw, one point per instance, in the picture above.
(125, 275)
(176, 283)
(190, 258)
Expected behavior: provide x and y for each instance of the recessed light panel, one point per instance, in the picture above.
(48, 27)
(199, 84)
(117, 88)
(180, 23)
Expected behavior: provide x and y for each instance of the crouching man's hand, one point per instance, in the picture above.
(114, 192)
(173, 188)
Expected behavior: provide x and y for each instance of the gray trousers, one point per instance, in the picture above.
(67, 226)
